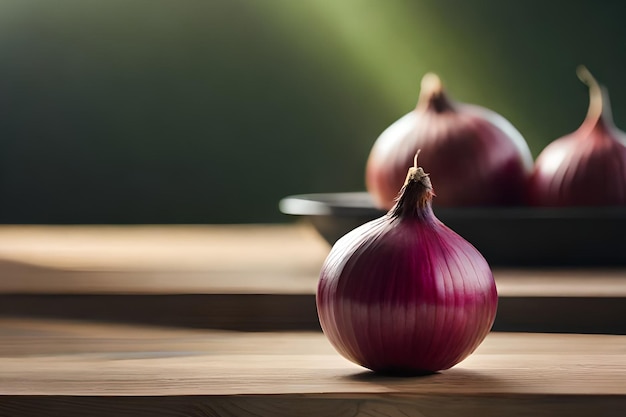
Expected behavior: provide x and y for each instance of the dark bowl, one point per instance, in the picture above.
(516, 236)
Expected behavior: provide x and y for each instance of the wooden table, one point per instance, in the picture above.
(220, 320)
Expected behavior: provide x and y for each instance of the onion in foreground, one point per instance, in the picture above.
(477, 156)
(404, 293)
(586, 167)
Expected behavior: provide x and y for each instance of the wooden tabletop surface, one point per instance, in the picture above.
(220, 320)
(106, 369)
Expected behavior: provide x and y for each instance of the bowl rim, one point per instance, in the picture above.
(358, 203)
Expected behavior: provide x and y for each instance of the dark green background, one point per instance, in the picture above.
(162, 111)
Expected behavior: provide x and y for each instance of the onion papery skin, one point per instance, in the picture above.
(585, 168)
(478, 157)
(405, 294)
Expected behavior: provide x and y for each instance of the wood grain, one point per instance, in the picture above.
(70, 368)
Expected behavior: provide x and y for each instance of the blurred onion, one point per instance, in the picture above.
(586, 167)
(477, 156)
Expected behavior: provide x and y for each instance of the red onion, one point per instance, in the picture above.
(404, 293)
(477, 156)
(586, 167)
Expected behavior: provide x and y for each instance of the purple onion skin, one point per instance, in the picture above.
(586, 167)
(477, 156)
(404, 293)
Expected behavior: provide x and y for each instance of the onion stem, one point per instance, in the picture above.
(599, 107)
(431, 84)
(432, 95)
